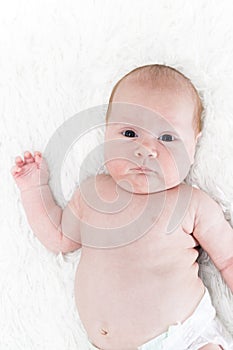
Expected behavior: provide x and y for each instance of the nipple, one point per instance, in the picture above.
(103, 331)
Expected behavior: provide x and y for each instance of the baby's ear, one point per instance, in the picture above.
(198, 136)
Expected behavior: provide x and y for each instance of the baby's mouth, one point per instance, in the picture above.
(143, 169)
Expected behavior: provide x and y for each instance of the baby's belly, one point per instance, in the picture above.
(123, 305)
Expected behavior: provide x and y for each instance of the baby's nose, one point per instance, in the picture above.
(146, 151)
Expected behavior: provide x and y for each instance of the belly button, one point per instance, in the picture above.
(103, 331)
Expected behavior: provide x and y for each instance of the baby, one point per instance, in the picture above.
(139, 224)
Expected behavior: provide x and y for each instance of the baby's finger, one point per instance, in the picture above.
(38, 156)
(19, 161)
(15, 170)
(28, 157)
(37, 153)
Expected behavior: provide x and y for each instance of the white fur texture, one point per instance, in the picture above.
(60, 57)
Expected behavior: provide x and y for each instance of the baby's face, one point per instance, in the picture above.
(150, 140)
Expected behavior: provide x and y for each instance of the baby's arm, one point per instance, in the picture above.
(49, 222)
(214, 234)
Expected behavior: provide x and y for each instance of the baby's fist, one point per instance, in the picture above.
(30, 172)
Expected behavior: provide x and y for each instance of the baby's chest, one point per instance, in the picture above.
(121, 217)
(166, 212)
(116, 226)
(128, 212)
(143, 225)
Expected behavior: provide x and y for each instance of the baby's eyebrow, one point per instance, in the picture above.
(170, 132)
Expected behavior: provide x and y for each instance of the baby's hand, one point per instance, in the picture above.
(30, 172)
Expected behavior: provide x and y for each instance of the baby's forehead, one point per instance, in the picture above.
(127, 112)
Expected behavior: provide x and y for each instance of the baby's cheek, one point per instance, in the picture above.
(117, 166)
(169, 167)
(174, 166)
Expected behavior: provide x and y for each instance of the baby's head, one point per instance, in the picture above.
(153, 123)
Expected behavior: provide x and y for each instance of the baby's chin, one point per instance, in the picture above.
(145, 185)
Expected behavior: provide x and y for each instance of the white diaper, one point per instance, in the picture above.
(201, 328)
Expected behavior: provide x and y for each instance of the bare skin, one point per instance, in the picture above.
(28, 158)
(121, 300)
(210, 347)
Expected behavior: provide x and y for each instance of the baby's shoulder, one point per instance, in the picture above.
(202, 198)
(198, 206)
(202, 204)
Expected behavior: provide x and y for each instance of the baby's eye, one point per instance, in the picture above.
(129, 133)
(166, 138)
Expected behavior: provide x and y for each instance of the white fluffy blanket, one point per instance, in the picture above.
(59, 58)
